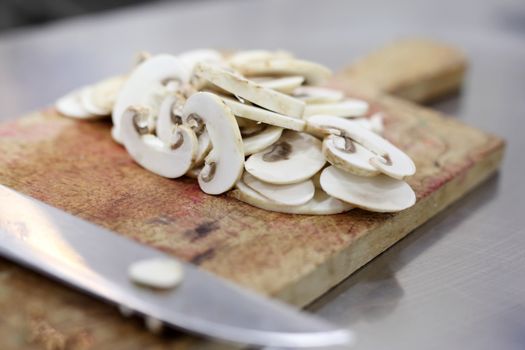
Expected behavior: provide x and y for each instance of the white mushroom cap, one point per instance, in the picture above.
(71, 106)
(348, 108)
(264, 116)
(292, 194)
(224, 164)
(320, 204)
(144, 85)
(349, 156)
(316, 94)
(314, 73)
(171, 159)
(284, 84)
(249, 90)
(294, 158)
(379, 193)
(389, 159)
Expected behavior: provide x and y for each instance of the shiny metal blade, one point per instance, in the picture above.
(96, 260)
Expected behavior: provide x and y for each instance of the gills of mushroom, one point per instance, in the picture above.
(255, 139)
(292, 194)
(316, 94)
(387, 158)
(170, 159)
(320, 204)
(249, 90)
(285, 84)
(348, 108)
(264, 116)
(224, 164)
(294, 158)
(350, 156)
(147, 85)
(170, 116)
(314, 73)
(379, 193)
(70, 105)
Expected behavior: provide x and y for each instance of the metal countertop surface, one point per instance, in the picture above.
(457, 282)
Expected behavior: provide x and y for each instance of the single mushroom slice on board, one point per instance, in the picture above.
(350, 156)
(70, 105)
(320, 204)
(155, 76)
(285, 84)
(379, 193)
(170, 115)
(224, 164)
(314, 73)
(292, 194)
(258, 114)
(256, 142)
(388, 159)
(316, 94)
(172, 159)
(295, 157)
(249, 90)
(348, 108)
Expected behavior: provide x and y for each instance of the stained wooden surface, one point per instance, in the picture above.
(77, 167)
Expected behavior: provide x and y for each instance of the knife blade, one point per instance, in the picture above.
(96, 260)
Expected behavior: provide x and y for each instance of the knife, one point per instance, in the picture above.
(95, 260)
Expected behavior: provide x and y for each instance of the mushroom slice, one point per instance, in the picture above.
(87, 102)
(248, 56)
(171, 159)
(147, 85)
(224, 164)
(191, 58)
(284, 84)
(71, 106)
(388, 159)
(260, 140)
(379, 193)
(194, 172)
(373, 123)
(295, 157)
(314, 73)
(350, 156)
(320, 204)
(348, 108)
(249, 90)
(264, 116)
(101, 96)
(315, 94)
(292, 194)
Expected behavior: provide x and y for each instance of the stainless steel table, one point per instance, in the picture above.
(458, 282)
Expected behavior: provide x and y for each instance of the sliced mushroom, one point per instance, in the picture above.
(161, 273)
(264, 116)
(373, 123)
(172, 159)
(388, 159)
(314, 73)
(348, 155)
(316, 94)
(295, 157)
(147, 86)
(260, 140)
(292, 194)
(284, 84)
(70, 105)
(320, 204)
(248, 56)
(348, 108)
(191, 58)
(249, 90)
(100, 98)
(170, 115)
(194, 172)
(224, 164)
(379, 193)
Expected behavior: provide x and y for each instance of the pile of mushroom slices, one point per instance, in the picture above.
(257, 123)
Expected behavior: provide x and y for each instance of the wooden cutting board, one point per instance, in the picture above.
(75, 166)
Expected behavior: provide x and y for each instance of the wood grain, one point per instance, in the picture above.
(77, 167)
